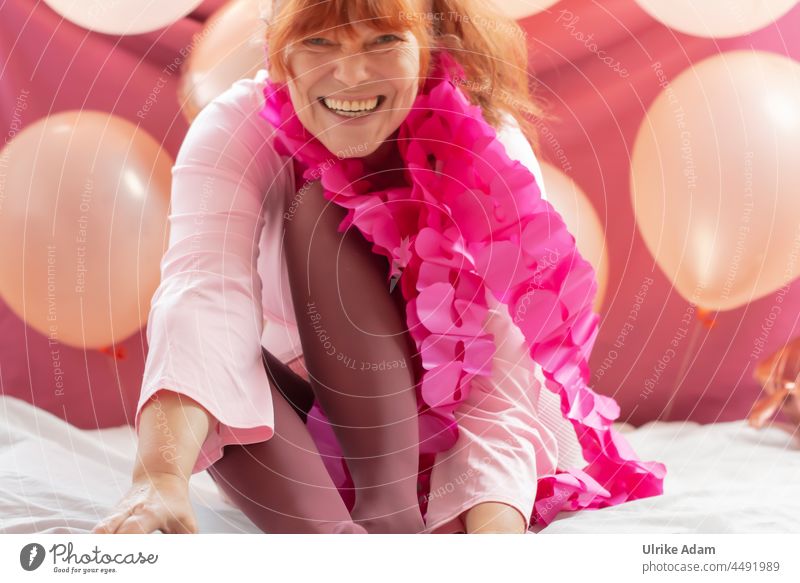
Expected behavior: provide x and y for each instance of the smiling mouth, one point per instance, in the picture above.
(346, 108)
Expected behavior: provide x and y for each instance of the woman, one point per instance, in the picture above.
(355, 74)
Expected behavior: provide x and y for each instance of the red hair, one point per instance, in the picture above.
(489, 46)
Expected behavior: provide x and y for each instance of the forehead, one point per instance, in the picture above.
(352, 20)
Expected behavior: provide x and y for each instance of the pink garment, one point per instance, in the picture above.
(225, 285)
(511, 431)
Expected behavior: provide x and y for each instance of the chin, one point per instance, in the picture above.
(349, 148)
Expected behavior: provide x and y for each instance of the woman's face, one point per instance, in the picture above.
(353, 93)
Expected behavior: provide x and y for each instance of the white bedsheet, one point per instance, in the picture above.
(725, 477)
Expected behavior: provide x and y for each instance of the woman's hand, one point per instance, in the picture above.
(172, 428)
(157, 502)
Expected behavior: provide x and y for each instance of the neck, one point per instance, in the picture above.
(386, 156)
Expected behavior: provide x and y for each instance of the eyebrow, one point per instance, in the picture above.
(332, 35)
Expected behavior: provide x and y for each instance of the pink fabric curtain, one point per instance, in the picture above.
(53, 65)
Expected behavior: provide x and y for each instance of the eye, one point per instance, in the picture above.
(317, 41)
(385, 39)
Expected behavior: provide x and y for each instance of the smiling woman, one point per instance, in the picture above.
(361, 108)
(333, 56)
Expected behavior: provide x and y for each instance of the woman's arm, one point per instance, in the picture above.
(205, 322)
(204, 384)
(173, 427)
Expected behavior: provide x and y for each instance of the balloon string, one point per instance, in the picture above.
(117, 353)
(700, 321)
(706, 317)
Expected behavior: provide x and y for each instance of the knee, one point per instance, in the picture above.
(494, 518)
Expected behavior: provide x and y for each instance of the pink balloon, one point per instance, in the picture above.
(123, 16)
(715, 178)
(230, 47)
(83, 226)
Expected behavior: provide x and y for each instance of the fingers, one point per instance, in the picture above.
(135, 520)
(163, 506)
(112, 523)
(145, 522)
(138, 524)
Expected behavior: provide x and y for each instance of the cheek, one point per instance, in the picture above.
(406, 70)
(411, 63)
(301, 96)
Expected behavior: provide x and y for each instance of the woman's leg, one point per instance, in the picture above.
(282, 484)
(296, 390)
(358, 354)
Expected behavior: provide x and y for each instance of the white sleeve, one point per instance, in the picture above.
(518, 148)
(205, 323)
(545, 403)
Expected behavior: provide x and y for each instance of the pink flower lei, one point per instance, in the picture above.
(466, 220)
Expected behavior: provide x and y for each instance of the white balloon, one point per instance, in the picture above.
(123, 16)
(582, 221)
(517, 9)
(717, 18)
(230, 47)
(715, 180)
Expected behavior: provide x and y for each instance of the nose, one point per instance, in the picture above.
(352, 70)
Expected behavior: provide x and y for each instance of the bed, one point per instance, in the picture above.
(722, 478)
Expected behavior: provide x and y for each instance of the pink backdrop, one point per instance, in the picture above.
(57, 66)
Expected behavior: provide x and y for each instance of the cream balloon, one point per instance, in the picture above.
(230, 47)
(717, 18)
(123, 16)
(517, 9)
(582, 221)
(715, 178)
(83, 226)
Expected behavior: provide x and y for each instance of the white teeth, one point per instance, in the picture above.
(342, 105)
